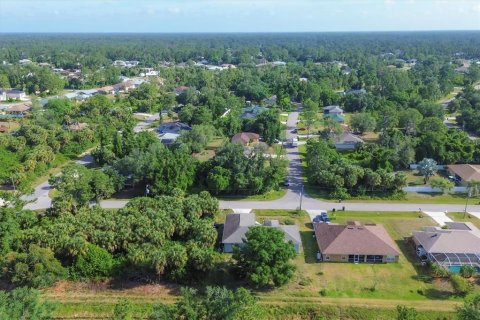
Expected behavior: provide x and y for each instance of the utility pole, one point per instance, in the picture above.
(466, 204)
(301, 197)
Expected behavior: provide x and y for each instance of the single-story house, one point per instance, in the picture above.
(168, 138)
(346, 141)
(237, 225)
(450, 248)
(270, 101)
(252, 112)
(16, 111)
(13, 94)
(173, 127)
(356, 91)
(465, 172)
(107, 90)
(76, 126)
(180, 89)
(355, 243)
(334, 112)
(246, 138)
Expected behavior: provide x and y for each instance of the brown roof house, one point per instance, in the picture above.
(237, 224)
(450, 248)
(355, 242)
(246, 138)
(465, 172)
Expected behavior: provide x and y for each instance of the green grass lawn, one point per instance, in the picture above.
(460, 216)
(272, 195)
(380, 282)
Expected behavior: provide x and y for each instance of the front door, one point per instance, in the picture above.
(356, 258)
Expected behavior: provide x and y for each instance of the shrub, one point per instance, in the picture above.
(323, 292)
(305, 281)
(96, 263)
(461, 286)
(437, 271)
(289, 222)
(467, 271)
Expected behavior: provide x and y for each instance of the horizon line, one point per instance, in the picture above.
(234, 32)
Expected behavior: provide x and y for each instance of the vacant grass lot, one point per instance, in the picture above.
(333, 290)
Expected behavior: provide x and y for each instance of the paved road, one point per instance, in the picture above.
(40, 199)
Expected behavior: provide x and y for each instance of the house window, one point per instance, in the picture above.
(390, 258)
(343, 257)
(374, 259)
(327, 258)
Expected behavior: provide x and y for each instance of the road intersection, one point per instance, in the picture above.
(291, 200)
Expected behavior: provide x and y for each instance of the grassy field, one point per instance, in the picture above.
(210, 149)
(332, 290)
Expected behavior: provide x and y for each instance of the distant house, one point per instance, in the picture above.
(278, 63)
(237, 224)
(246, 138)
(270, 101)
(252, 112)
(173, 127)
(355, 243)
(24, 61)
(17, 111)
(85, 94)
(346, 141)
(75, 126)
(334, 112)
(465, 172)
(451, 248)
(13, 94)
(180, 89)
(303, 79)
(107, 90)
(228, 66)
(168, 138)
(356, 91)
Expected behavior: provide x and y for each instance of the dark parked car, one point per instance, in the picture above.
(294, 131)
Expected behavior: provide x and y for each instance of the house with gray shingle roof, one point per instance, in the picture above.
(450, 248)
(237, 224)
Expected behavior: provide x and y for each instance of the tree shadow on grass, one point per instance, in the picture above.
(310, 246)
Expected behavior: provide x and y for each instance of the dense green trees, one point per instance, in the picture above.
(264, 259)
(24, 303)
(341, 177)
(167, 237)
(232, 171)
(362, 122)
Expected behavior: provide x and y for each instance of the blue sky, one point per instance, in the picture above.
(237, 15)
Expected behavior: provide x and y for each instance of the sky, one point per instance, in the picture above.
(237, 15)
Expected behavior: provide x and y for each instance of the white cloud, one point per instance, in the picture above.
(174, 10)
